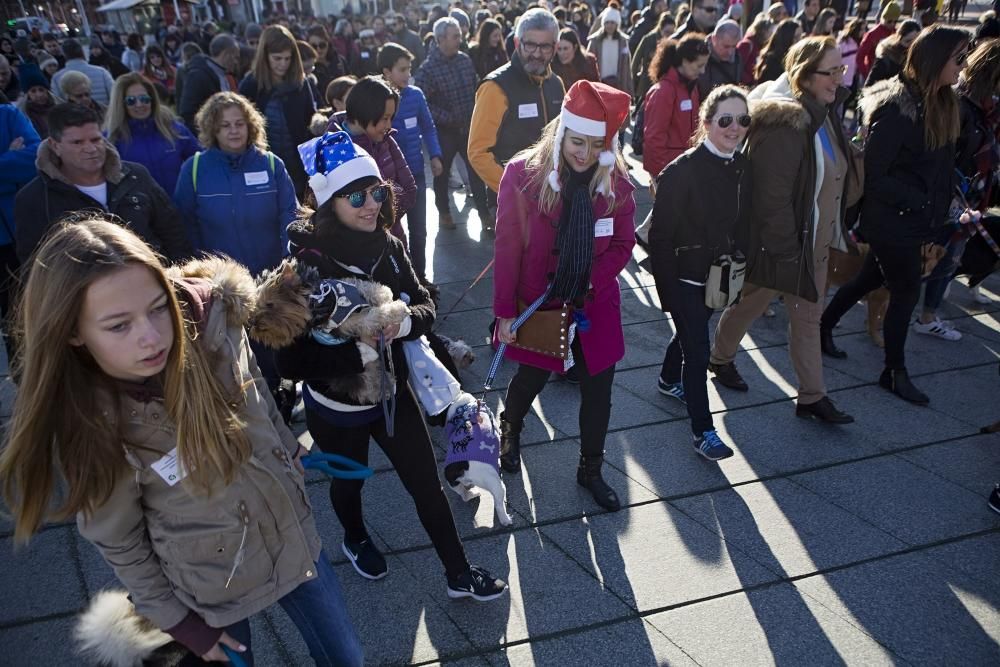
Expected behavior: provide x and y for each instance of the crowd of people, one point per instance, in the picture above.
(774, 139)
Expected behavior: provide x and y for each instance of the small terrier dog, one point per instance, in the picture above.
(472, 463)
(292, 299)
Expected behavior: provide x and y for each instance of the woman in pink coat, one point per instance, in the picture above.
(565, 229)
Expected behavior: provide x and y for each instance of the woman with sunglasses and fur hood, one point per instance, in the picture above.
(802, 163)
(347, 238)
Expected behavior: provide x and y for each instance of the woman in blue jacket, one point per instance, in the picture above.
(145, 131)
(237, 198)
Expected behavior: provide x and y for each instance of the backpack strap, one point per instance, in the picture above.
(194, 171)
(270, 161)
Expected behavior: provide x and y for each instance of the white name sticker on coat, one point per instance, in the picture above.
(604, 227)
(410, 123)
(686, 105)
(255, 177)
(527, 111)
(366, 55)
(169, 468)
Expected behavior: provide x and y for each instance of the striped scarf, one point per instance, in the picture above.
(574, 240)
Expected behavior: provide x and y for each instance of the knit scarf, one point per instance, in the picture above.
(339, 243)
(574, 239)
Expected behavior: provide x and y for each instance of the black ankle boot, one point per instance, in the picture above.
(898, 382)
(510, 446)
(588, 475)
(830, 348)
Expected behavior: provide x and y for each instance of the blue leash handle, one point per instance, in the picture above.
(234, 658)
(346, 468)
(498, 357)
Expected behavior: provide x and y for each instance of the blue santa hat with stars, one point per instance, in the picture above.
(334, 161)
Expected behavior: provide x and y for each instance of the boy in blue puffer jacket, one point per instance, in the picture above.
(413, 124)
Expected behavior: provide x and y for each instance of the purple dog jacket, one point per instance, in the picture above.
(473, 436)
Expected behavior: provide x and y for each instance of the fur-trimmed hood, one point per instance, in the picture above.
(891, 91)
(772, 104)
(48, 163)
(214, 279)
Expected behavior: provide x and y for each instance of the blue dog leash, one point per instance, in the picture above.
(234, 658)
(346, 468)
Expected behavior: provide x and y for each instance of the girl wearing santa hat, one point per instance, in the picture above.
(564, 231)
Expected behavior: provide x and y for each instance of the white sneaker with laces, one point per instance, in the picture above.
(938, 328)
(979, 297)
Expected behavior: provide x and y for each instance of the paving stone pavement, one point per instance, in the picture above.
(865, 544)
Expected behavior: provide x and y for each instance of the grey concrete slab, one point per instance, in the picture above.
(788, 529)
(977, 558)
(973, 463)
(908, 502)
(633, 642)
(546, 487)
(777, 625)
(42, 643)
(657, 557)
(661, 458)
(920, 611)
(529, 563)
(46, 564)
(559, 405)
(976, 404)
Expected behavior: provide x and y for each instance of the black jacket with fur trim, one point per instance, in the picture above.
(134, 199)
(315, 363)
(908, 187)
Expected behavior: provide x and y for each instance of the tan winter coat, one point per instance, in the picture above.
(176, 551)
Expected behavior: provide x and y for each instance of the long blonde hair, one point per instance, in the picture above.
(539, 160)
(116, 119)
(60, 426)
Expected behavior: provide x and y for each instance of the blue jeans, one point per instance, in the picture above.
(936, 283)
(317, 609)
(416, 225)
(688, 354)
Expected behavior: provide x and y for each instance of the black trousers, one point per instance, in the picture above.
(412, 455)
(455, 142)
(898, 267)
(595, 399)
(689, 351)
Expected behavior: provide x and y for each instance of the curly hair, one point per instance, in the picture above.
(209, 119)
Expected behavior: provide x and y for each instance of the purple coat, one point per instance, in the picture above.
(525, 238)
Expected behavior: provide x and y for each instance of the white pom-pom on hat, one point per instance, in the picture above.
(606, 158)
(317, 182)
(554, 180)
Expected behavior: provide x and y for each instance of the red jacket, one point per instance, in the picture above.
(525, 237)
(866, 52)
(671, 118)
(749, 52)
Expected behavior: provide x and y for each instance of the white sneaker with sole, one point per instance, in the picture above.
(938, 328)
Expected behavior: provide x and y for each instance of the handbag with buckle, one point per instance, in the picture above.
(545, 332)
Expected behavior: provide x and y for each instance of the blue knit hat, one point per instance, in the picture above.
(334, 161)
(30, 75)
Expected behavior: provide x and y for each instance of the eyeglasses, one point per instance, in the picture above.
(132, 100)
(711, 9)
(319, 45)
(357, 199)
(726, 119)
(836, 71)
(533, 47)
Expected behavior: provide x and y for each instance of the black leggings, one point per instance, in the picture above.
(595, 399)
(412, 455)
(897, 267)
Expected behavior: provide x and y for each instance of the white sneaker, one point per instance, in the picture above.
(938, 328)
(979, 297)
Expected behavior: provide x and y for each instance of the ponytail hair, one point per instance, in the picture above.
(672, 53)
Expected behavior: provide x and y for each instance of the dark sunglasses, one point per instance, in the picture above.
(357, 199)
(725, 120)
(711, 9)
(319, 45)
(132, 100)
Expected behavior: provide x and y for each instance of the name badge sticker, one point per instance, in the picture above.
(410, 123)
(255, 178)
(527, 110)
(169, 468)
(604, 227)
(686, 105)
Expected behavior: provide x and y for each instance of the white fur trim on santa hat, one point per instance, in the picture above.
(587, 126)
(361, 166)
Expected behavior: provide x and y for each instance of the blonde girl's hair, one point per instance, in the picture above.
(539, 161)
(209, 120)
(116, 117)
(925, 60)
(804, 57)
(276, 39)
(61, 430)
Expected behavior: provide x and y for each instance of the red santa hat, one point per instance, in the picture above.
(593, 109)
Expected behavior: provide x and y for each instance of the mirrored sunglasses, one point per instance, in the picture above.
(725, 120)
(132, 100)
(357, 199)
